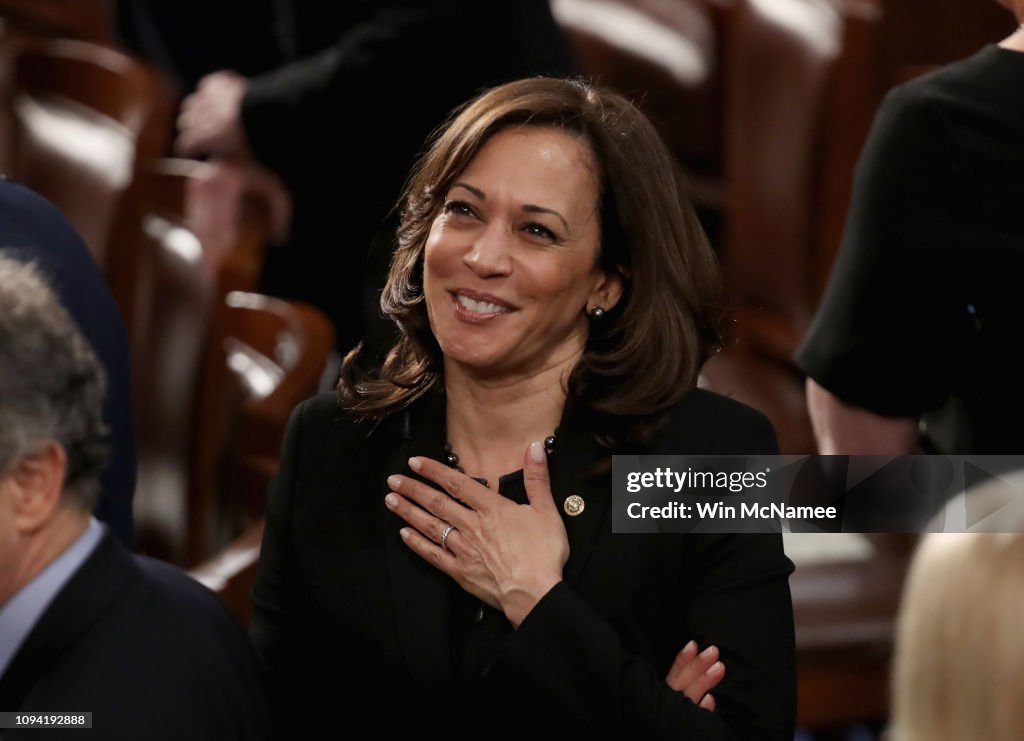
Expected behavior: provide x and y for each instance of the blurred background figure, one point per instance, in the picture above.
(355, 91)
(188, 39)
(959, 664)
(83, 625)
(33, 230)
(924, 297)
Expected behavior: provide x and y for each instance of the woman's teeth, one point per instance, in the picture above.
(481, 307)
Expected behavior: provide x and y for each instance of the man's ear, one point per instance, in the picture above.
(35, 485)
(608, 291)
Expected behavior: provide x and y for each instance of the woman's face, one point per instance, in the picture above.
(511, 266)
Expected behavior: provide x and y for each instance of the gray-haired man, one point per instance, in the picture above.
(84, 626)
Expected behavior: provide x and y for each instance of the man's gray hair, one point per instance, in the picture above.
(51, 384)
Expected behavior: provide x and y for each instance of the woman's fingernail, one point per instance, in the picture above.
(395, 481)
(715, 668)
(706, 653)
(415, 464)
(689, 647)
(391, 500)
(404, 532)
(536, 452)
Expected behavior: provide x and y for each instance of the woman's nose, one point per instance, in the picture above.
(489, 255)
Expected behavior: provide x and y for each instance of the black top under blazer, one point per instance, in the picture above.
(356, 628)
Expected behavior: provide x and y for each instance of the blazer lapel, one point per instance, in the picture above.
(420, 593)
(576, 454)
(89, 591)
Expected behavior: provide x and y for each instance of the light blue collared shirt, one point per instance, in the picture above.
(22, 611)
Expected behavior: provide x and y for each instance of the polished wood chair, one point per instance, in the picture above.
(666, 57)
(954, 29)
(845, 613)
(231, 572)
(266, 356)
(170, 319)
(170, 283)
(276, 351)
(799, 101)
(165, 195)
(10, 38)
(88, 20)
(83, 117)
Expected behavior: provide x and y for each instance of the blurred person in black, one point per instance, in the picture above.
(84, 626)
(341, 120)
(922, 311)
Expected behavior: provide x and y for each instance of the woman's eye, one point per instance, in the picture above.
(539, 230)
(459, 208)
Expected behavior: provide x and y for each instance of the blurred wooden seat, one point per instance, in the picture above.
(82, 119)
(665, 56)
(10, 38)
(798, 107)
(845, 614)
(173, 286)
(275, 351)
(231, 572)
(164, 196)
(172, 279)
(88, 20)
(266, 356)
(956, 29)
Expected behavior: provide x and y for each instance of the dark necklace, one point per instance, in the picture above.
(452, 459)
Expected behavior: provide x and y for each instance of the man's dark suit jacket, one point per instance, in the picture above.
(149, 652)
(353, 623)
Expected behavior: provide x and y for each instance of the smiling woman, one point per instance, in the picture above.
(513, 257)
(551, 283)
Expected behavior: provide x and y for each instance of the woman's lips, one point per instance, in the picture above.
(479, 308)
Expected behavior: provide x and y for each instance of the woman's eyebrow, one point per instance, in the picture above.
(475, 191)
(530, 208)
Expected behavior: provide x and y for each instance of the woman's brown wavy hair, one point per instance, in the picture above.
(645, 354)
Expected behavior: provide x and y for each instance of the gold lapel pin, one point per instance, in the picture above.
(573, 505)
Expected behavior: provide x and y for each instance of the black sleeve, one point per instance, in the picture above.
(192, 38)
(737, 599)
(361, 109)
(881, 336)
(334, 107)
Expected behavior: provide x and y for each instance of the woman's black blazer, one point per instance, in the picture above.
(355, 628)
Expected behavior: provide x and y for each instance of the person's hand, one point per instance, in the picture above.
(508, 555)
(210, 122)
(695, 675)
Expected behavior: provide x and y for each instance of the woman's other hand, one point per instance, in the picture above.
(695, 675)
(508, 555)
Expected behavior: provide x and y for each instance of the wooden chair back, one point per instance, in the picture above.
(82, 118)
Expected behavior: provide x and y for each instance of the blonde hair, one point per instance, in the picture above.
(959, 666)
